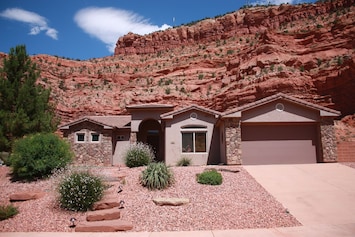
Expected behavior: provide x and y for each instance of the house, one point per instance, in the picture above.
(279, 129)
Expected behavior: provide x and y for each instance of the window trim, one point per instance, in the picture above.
(193, 129)
(91, 137)
(77, 134)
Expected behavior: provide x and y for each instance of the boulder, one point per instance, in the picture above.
(106, 214)
(106, 204)
(104, 226)
(25, 196)
(171, 201)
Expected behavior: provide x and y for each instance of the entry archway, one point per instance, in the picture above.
(150, 132)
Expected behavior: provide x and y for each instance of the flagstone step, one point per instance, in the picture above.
(106, 203)
(105, 214)
(104, 226)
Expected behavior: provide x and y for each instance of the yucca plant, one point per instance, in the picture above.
(156, 176)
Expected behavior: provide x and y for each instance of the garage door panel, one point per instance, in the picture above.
(278, 152)
(279, 144)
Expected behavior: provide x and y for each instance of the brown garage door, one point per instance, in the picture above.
(279, 144)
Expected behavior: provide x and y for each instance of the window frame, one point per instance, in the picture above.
(194, 129)
(92, 135)
(77, 134)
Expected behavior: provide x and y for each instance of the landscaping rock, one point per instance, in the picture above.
(25, 196)
(104, 226)
(106, 214)
(106, 204)
(170, 201)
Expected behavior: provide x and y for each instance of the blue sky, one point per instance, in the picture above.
(84, 29)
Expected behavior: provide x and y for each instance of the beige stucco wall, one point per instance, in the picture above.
(173, 138)
(139, 116)
(290, 113)
(121, 142)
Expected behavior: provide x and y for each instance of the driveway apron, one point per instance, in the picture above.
(312, 193)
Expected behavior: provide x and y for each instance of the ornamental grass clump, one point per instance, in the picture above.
(184, 161)
(138, 154)
(78, 191)
(7, 212)
(156, 176)
(210, 177)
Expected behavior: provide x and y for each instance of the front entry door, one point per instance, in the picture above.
(151, 134)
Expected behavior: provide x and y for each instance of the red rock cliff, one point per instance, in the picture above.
(306, 51)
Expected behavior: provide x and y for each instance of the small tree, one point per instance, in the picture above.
(24, 105)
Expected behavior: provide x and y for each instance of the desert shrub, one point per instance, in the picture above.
(184, 161)
(78, 191)
(211, 177)
(7, 212)
(37, 156)
(156, 176)
(138, 154)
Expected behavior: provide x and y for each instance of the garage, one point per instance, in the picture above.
(279, 129)
(279, 144)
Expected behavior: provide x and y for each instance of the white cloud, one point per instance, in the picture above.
(37, 23)
(108, 24)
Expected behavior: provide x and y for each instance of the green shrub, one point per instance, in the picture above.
(156, 176)
(184, 161)
(211, 177)
(4, 157)
(37, 156)
(138, 154)
(7, 211)
(78, 191)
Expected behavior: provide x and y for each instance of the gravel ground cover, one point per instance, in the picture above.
(240, 202)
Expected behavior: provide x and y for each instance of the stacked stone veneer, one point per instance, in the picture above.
(328, 140)
(233, 141)
(91, 153)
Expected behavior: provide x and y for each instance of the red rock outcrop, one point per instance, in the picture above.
(304, 50)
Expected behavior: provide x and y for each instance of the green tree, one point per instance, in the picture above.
(24, 105)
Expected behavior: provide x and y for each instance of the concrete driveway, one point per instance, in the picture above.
(313, 193)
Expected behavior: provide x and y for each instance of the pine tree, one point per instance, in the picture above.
(24, 105)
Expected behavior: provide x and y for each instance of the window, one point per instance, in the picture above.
(194, 139)
(80, 137)
(95, 137)
(120, 138)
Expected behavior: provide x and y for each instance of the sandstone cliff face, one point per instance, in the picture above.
(306, 51)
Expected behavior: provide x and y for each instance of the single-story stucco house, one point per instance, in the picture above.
(279, 129)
